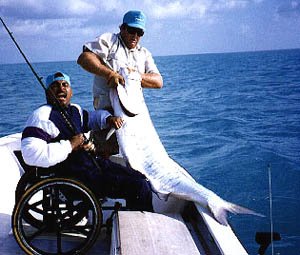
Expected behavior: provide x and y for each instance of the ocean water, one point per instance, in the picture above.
(223, 117)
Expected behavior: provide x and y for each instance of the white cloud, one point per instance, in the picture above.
(289, 9)
(178, 9)
(192, 9)
(53, 8)
(244, 29)
(78, 7)
(228, 4)
(51, 28)
(72, 17)
(171, 9)
(295, 4)
(158, 9)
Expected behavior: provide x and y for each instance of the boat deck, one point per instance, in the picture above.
(8, 245)
(152, 233)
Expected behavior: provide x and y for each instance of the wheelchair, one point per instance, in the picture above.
(54, 214)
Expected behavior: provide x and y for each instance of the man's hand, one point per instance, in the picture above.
(77, 141)
(115, 122)
(113, 79)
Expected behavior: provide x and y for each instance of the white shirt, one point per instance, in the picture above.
(36, 146)
(112, 50)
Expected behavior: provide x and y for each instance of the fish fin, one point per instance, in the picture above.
(181, 196)
(162, 196)
(220, 212)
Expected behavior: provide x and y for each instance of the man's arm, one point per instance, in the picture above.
(114, 122)
(152, 80)
(93, 64)
(101, 119)
(37, 152)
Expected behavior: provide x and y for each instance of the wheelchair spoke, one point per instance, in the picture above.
(34, 207)
(36, 234)
(74, 215)
(82, 230)
(58, 242)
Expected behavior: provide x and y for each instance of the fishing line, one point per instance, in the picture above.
(56, 103)
(264, 239)
(271, 207)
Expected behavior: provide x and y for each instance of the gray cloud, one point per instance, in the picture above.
(289, 9)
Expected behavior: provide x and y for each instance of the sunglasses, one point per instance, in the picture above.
(133, 30)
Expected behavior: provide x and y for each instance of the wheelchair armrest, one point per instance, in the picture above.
(26, 167)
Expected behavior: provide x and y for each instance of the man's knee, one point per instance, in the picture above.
(143, 197)
(145, 188)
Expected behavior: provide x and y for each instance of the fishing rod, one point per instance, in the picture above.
(90, 147)
(267, 238)
(50, 93)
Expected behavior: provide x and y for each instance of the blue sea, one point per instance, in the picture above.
(223, 117)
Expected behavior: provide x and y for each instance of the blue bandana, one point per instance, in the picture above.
(51, 78)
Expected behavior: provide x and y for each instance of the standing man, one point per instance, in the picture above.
(104, 57)
(106, 54)
(47, 141)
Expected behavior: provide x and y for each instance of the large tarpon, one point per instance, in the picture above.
(142, 150)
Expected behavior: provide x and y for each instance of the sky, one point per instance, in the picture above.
(55, 30)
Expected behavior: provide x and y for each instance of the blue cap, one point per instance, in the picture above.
(135, 19)
(57, 76)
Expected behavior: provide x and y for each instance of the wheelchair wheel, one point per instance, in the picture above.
(68, 217)
(27, 179)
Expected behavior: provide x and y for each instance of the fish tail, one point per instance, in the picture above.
(237, 209)
(220, 212)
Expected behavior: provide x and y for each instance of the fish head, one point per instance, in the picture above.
(130, 95)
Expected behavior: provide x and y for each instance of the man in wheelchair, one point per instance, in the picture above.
(48, 141)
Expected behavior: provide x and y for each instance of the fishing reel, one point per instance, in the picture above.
(89, 146)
